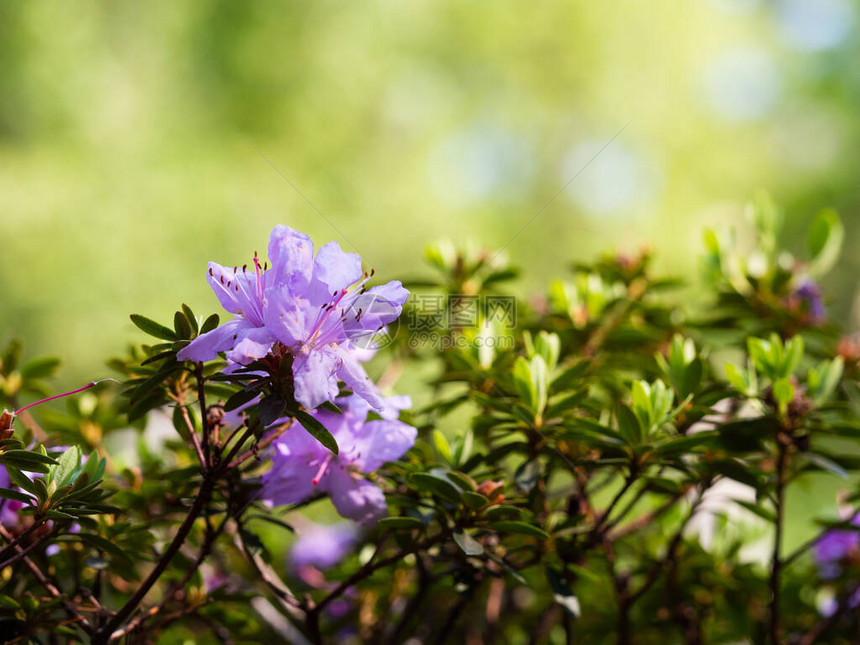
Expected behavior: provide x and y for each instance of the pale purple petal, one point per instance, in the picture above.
(293, 468)
(354, 497)
(381, 441)
(291, 254)
(253, 344)
(323, 546)
(206, 346)
(314, 377)
(237, 291)
(335, 270)
(286, 315)
(352, 373)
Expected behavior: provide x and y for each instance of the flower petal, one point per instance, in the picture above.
(236, 291)
(314, 377)
(380, 441)
(291, 254)
(354, 497)
(334, 270)
(286, 315)
(352, 373)
(252, 344)
(293, 468)
(206, 346)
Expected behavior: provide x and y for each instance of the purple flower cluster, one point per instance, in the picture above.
(303, 468)
(834, 547)
(807, 297)
(317, 309)
(322, 547)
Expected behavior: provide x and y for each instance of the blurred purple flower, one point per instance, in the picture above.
(302, 467)
(322, 547)
(317, 309)
(834, 547)
(8, 507)
(809, 299)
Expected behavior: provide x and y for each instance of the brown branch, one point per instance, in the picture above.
(203, 496)
(48, 585)
(776, 562)
(277, 432)
(205, 551)
(18, 540)
(194, 438)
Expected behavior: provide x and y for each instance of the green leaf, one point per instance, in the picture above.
(317, 430)
(192, 319)
(241, 398)
(210, 323)
(181, 325)
(468, 544)
(562, 592)
(502, 512)
(757, 509)
(21, 480)
(679, 445)
(253, 543)
(629, 424)
(524, 383)
(153, 328)
(736, 379)
(401, 523)
(569, 377)
(783, 393)
(461, 479)
(825, 463)
(271, 408)
(27, 460)
(441, 445)
(825, 238)
(18, 496)
(59, 515)
(438, 486)
(521, 528)
(39, 367)
(102, 544)
(65, 467)
(475, 500)
(9, 603)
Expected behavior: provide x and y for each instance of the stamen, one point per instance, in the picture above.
(322, 469)
(259, 276)
(57, 396)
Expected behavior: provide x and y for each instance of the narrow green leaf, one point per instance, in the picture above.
(521, 528)
(317, 430)
(210, 323)
(153, 328)
(400, 523)
(468, 544)
(18, 496)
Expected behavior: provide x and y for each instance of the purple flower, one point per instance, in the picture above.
(318, 310)
(834, 547)
(322, 547)
(810, 300)
(302, 467)
(8, 507)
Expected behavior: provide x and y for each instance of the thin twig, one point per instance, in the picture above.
(48, 585)
(776, 562)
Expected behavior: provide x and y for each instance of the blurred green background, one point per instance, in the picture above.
(133, 137)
